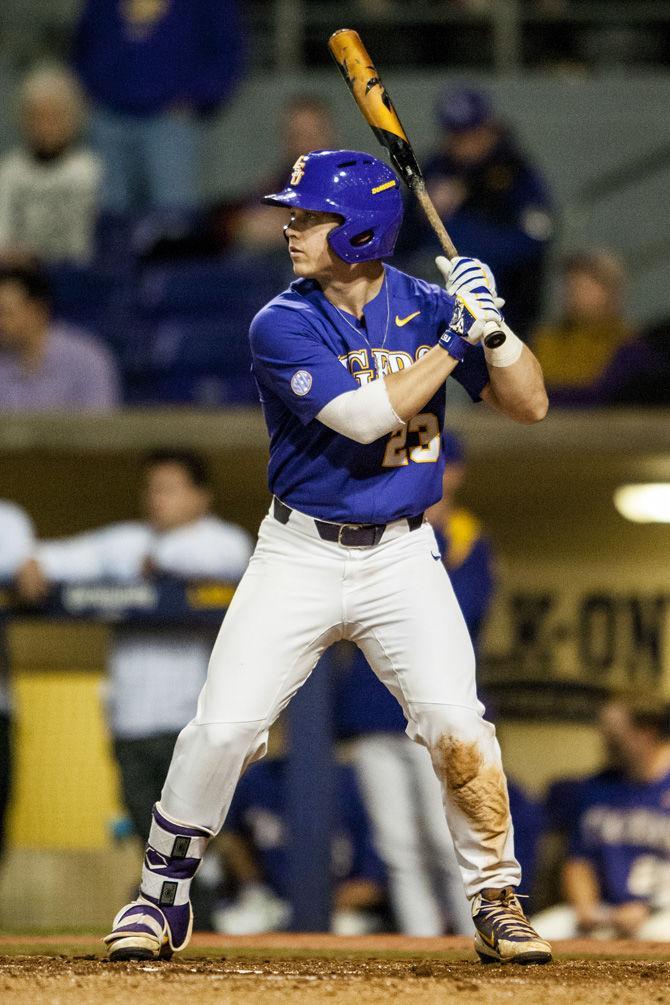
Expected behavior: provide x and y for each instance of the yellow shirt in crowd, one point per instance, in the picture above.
(572, 353)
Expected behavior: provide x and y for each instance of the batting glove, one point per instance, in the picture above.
(477, 308)
(468, 275)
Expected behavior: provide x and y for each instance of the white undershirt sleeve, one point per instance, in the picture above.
(363, 414)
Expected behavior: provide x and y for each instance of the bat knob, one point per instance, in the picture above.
(494, 340)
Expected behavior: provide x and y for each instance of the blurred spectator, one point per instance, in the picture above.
(45, 364)
(154, 676)
(17, 543)
(410, 831)
(306, 123)
(466, 550)
(494, 204)
(616, 879)
(153, 71)
(49, 184)
(256, 839)
(637, 374)
(574, 352)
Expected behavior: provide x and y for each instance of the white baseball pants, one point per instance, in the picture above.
(299, 595)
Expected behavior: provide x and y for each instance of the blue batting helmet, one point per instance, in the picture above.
(358, 187)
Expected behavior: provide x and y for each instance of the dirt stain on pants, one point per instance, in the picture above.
(478, 789)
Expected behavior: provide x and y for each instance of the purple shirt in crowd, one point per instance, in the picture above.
(76, 373)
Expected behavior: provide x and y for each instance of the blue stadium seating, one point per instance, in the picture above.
(204, 361)
(198, 287)
(103, 304)
(179, 330)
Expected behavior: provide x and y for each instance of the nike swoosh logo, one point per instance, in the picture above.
(490, 941)
(436, 557)
(401, 322)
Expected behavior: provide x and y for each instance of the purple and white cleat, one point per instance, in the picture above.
(503, 933)
(160, 921)
(139, 932)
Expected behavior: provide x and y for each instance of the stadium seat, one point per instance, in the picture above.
(101, 303)
(202, 361)
(239, 284)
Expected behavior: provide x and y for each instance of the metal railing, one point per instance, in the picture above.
(285, 25)
(283, 32)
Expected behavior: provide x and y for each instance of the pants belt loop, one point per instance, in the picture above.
(280, 511)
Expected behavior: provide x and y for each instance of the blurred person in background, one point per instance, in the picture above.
(45, 364)
(154, 674)
(155, 70)
(17, 544)
(410, 831)
(574, 351)
(638, 373)
(306, 123)
(492, 200)
(49, 183)
(616, 878)
(256, 839)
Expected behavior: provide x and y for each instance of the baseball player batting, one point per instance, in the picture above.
(351, 363)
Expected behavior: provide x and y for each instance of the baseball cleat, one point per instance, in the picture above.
(139, 932)
(503, 933)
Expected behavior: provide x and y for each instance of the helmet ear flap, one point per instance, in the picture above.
(349, 242)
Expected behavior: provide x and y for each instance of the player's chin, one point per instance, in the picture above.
(302, 266)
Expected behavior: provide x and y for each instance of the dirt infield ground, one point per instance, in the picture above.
(310, 969)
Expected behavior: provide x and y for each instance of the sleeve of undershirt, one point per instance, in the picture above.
(364, 414)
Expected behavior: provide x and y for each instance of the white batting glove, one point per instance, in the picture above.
(477, 309)
(463, 275)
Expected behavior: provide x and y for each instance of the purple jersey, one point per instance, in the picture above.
(623, 828)
(306, 352)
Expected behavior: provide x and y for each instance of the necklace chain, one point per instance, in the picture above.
(361, 331)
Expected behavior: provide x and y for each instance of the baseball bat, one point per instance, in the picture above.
(374, 102)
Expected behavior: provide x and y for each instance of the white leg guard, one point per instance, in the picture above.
(160, 921)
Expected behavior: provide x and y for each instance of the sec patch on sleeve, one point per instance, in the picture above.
(301, 381)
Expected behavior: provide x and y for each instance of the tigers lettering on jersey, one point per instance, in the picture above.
(623, 828)
(367, 364)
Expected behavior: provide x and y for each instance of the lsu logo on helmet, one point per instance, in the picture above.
(298, 170)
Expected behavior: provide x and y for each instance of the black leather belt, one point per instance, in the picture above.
(350, 535)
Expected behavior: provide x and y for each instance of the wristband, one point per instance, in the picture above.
(453, 344)
(508, 352)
